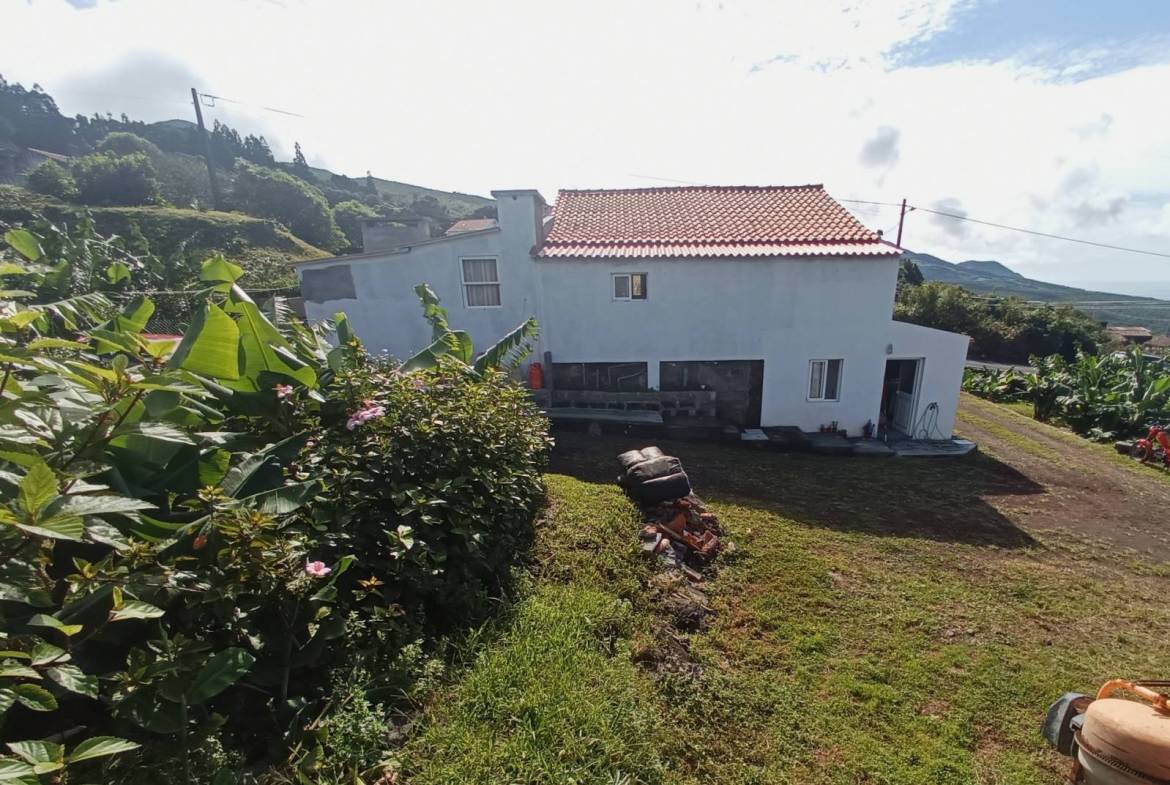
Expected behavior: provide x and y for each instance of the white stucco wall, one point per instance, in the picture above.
(386, 313)
(943, 355)
(784, 311)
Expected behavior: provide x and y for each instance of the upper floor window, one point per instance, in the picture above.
(481, 283)
(824, 380)
(629, 286)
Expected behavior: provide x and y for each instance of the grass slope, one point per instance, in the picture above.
(261, 246)
(883, 621)
(986, 277)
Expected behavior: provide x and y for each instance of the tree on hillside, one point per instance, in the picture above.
(226, 144)
(487, 211)
(1007, 329)
(107, 179)
(349, 217)
(371, 185)
(300, 166)
(30, 118)
(52, 179)
(257, 151)
(271, 193)
(126, 143)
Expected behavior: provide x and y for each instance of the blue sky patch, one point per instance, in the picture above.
(1072, 39)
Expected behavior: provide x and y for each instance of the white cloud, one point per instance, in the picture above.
(472, 96)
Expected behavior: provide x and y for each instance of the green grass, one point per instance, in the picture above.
(877, 624)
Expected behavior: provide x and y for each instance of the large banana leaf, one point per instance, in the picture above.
(510, 349)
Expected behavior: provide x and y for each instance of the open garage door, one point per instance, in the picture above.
(738, 384)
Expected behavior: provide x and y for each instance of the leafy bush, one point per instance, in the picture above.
(349, 215)
(125, 143)
(1002, 329)
(197, 536)
(271, 193)
(1110, 396)
(52, 179)
(104, 178)
(182, 179)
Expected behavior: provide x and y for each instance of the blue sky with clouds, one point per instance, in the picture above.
(1038, 113)
(1085, 39)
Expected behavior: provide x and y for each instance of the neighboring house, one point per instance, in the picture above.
(776, 298)
(1129, 335)
(472, 225)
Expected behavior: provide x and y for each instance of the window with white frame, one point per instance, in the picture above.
(824, 380)
(481, 283)
(629, 286)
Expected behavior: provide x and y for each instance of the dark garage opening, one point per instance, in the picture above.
(738, 385)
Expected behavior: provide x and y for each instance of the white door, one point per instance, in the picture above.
(903, 412)
(905, 396)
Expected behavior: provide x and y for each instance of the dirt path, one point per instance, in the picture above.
(1092, 498)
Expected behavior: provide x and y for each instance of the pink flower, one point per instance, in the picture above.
(317, 569)
(364, 415)
(283, 390)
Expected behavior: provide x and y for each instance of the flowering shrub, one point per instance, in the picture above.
(194, 537)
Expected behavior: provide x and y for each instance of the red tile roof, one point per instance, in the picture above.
(707, 221)
(471, 225)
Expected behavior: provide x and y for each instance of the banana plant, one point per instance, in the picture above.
(505, 354)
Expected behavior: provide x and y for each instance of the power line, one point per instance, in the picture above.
(215, 98)
(1034, 232)
(1043, 234)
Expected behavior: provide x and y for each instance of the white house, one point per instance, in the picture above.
(776, 298)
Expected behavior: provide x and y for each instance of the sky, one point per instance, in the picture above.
(1046, 114)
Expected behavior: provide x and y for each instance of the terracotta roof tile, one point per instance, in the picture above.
(707, 221)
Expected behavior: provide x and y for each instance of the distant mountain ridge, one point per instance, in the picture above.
(995, 278)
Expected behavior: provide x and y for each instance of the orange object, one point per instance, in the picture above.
(535, 377)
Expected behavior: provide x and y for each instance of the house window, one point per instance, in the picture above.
(629, 286)
(824, 380)
(481, 283)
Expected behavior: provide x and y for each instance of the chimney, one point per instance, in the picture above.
(522, 211)
(380, 234)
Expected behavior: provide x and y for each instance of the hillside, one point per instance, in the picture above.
(459, 205)
(184, 235)
(992, 277)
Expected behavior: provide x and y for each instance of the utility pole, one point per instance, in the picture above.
(901, 220)
(216, 202)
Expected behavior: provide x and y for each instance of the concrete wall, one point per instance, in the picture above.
(785, 312)
(383, 233)
(943, 355)
(386, 313)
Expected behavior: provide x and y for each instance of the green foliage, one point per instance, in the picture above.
(1106, 397)
(296, 204)
(349, 215)
(197, 536)
(300, 167)
(1002, 329)
(52, 179)
(125, 143)
(107, 179)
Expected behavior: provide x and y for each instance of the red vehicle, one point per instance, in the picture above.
(1155, 447)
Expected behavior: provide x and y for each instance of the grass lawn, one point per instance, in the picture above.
(882, 621)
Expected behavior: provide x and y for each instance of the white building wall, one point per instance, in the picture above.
(783, 311)
(944, 355)
(387, 315)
